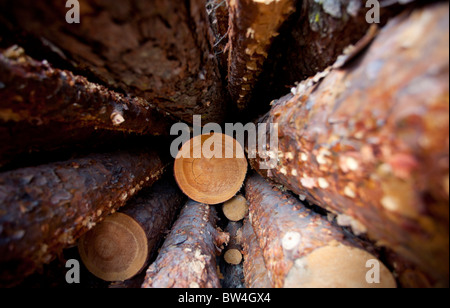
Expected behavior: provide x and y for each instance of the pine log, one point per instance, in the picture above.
(159, 50)
(370, 142)
(233, 252)
(45, 209)
(33, 92)
(312, 39)
(188, 256)
(235, 209)
(218, 12)
(253, 26)
(255, 272)
(215, 177)
(301, 248)
(121, 246)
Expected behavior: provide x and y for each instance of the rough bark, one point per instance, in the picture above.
(253, 26)
(188, 256)
(312, 40)
(158, 50)
(370, 141)
(301, 248)
(255, 272)
(33, 92)
(47, 208)
(218, 12)
(122, 246)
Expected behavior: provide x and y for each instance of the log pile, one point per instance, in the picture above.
(350, 157)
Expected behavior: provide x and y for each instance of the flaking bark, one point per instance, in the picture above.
(159, 50)
(252, 29)
(188, 256)
(291, 236)
(45, 209)
(255, 271)
(33, 92)
(369, 141)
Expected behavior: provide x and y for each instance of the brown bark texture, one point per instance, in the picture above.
(188, 256)
(252, 29)
(45, 209)
(370, 142)
(33, 92)
(255, 271)
(312, 39)
(159, 50)
(289, 233)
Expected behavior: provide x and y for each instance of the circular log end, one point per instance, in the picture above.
(211, 169)
(115, 250)
(236, 209)
(233, 257)
(339, 267)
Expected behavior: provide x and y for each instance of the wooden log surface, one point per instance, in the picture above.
(159, 50)
(312, 39)
(236, 208)
(33, 92)
(233, 252)
(255, 271)
(253, 26)
(45, 209)
(188, 256)
(121, 246)
(369, 141)
(302, 249)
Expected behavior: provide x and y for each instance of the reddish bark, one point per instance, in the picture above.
(303, 249)
(158, 50)
(122, 246)
(255, 272)
(188, 256)
(253, 26)
(370, 141)
(45, 209)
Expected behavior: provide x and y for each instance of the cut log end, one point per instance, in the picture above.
(215, 178)
(339, 266)
(233, 256)
(236, 209)
(116, 250)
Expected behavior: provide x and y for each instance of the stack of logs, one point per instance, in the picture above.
(361, 173)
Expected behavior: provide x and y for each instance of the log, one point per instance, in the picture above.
(121, 246)
(302, 249)
(45, 209)
(214, 177)
(235, 209)
(369, 141)
(255, 271)
(159, 50)
(218, 12)
(233, 252)
(253, 25)
(312, 39)
(33, 92)
(188, 256)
